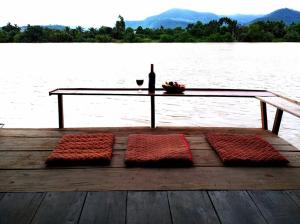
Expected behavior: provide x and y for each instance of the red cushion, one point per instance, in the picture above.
(236, 149)
(159, 149)
(82, 147)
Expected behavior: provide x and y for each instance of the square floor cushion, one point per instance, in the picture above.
(147, 149)
(235, 149)
(82, 148)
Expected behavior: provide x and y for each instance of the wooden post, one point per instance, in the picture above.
(264, 116)
(152, 112)
(277, 121)
(60, 111)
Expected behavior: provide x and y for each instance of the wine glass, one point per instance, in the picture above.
(140, 82)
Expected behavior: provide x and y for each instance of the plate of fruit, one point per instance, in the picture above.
(173, 87)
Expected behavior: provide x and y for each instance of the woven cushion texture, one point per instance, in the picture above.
(236, 149)
(83, 147)
(146, 148)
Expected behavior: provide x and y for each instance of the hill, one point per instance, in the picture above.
(243, 19)
(173, 18)
(288, 16)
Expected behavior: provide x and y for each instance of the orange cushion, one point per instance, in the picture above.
(146, 148)
(236, 149)
(83, 147)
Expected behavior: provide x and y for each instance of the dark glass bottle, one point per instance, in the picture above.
(152, 80)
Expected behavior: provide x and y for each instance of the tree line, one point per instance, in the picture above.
(222, 30)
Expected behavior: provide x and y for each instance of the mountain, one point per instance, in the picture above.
(244, 19)
(288, 16)
(173, 18)
(55, 27)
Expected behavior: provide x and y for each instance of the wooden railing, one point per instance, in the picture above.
(265, 97)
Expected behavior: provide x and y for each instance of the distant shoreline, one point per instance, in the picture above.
(222, 30)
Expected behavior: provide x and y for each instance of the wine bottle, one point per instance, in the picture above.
(151, 88)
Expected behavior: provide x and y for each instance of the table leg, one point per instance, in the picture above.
(277, 121)
(264, 116)
(60, 111)
(152, 112)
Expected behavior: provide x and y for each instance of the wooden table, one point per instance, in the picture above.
(266, 97)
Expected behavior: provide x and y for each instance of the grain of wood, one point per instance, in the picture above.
(1, 195)
(104, 207)
(191, 207)
(276, 206)
(19, 207)
(11, 160)
(60, 207)
(103, 179)
(148, 207)
(295, 195)
(235, 207)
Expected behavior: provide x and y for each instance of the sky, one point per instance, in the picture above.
(96, 13)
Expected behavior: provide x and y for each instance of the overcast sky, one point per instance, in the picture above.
(105, 12)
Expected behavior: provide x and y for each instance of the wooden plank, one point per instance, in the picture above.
(23, 159)
(196, 178)
(283, 104)
(36, 160)
(48, 143)
(60, 207)
(235, 207)
(200, 143)
(293, 157)
(276, 206)
(161, 92)
(288, 148)
(24, 143)
(191, 207)
(1, 195)
(19, 207)
(295, 195)
(148, 207)
(125, 131)
(104, 207)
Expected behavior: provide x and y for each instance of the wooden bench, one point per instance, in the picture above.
(282, 104)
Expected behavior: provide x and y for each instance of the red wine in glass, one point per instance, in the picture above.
(140, 82)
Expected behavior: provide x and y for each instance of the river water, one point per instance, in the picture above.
(29, 71)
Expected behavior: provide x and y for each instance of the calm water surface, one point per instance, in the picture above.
(29, 71)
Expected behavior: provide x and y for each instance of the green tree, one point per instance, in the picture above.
(103, 38)
(292, 36)
(230, 26)
(166, 38)
(139, 30)
(11, 31)
(129, 35)
(33, 34)
(119, 29)
(256, 33)
(3, 37)
(196, 30)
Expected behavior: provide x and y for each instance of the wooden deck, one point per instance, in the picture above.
(23, 153)
(205, 193)
(166, 207)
